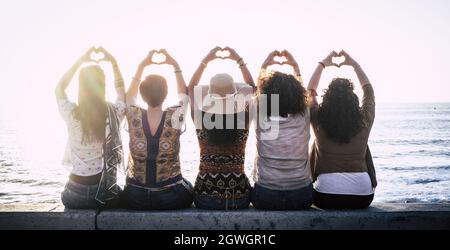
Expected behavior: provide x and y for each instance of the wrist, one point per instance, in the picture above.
(176, 66)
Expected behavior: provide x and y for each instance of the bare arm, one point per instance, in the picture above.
(195, 79)
(290, 60)
(181, 83)
(133, 89)
(60, 90)
(118, 79)
(315, 78)
(248, 79)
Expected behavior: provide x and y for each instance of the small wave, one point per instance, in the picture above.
(414, 168)
(434, 142)
(425, 181)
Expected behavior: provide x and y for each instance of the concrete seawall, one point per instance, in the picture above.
(378, 216)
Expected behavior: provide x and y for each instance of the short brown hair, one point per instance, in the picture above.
(154, 90)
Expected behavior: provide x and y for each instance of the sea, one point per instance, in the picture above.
(410, 143)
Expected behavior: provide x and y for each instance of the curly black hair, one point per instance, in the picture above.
(292, 94)
(339, 114)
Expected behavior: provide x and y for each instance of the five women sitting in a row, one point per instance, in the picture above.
(338, 173)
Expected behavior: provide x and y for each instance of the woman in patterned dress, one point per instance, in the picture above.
(221, 117)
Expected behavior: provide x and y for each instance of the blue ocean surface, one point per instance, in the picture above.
(410, 144)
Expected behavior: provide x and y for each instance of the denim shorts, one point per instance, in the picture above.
(269, 199)
(80, 196)
(140, 198)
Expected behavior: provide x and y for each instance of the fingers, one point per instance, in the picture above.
(344, 53)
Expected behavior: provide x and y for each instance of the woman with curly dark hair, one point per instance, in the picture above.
(282, 174)
(341, 163)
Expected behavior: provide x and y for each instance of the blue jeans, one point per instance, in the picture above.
(141, 198)
(80, 196)
(269, 199)
(216, 203)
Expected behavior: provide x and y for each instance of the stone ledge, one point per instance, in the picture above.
(45, 217)
(378, 216)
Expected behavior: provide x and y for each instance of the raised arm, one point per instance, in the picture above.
(314, 83)
(290, 60)
(195, 79)
(212, 55)
(315, 78)
(60, 90)
(243, 66)
(181, 84)
(118, 79)
(349, 61)
(368, 101)
(268, 62)
(133, 89)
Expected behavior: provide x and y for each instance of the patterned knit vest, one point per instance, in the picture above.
(162, 170)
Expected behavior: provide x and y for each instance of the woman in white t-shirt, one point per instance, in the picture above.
(94, 147)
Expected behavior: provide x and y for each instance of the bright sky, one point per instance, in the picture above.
(403, 45)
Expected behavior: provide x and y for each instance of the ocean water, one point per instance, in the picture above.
(410, 144)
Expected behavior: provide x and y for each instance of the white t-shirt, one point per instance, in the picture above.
(344, 183)
(84, 159)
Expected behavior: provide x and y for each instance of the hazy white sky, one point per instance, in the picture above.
(404, 45)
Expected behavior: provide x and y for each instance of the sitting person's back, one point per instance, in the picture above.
(340, 159)
(154, 179)
(222, 123)
(281, 170)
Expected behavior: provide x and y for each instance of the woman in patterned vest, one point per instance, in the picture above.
(221, 117)
(154, 180)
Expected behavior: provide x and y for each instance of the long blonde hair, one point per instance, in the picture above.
(91, 110)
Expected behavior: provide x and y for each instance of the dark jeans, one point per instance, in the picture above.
(340, 201)
(269, 199)
(80, 196)
(141, 198)
(216, 203)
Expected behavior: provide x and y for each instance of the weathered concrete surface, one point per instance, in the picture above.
(378, 216)
(45, 217)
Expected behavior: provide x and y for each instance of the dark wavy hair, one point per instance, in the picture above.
(292, 94)
(339, 114)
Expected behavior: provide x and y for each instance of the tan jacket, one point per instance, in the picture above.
(328, 156)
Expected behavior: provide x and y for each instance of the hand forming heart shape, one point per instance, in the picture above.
(338, 60)
(97, 56)
(223, 53)
(280, 59)
(159, 57)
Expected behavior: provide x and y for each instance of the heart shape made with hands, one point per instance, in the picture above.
(280, 59)
(338, 60)
(97, 56)
(223, 54)
(158, 57)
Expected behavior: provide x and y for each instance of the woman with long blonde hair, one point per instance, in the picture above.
(94, 146)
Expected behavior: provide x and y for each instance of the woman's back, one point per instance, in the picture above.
(222, 155)
(282, 161)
